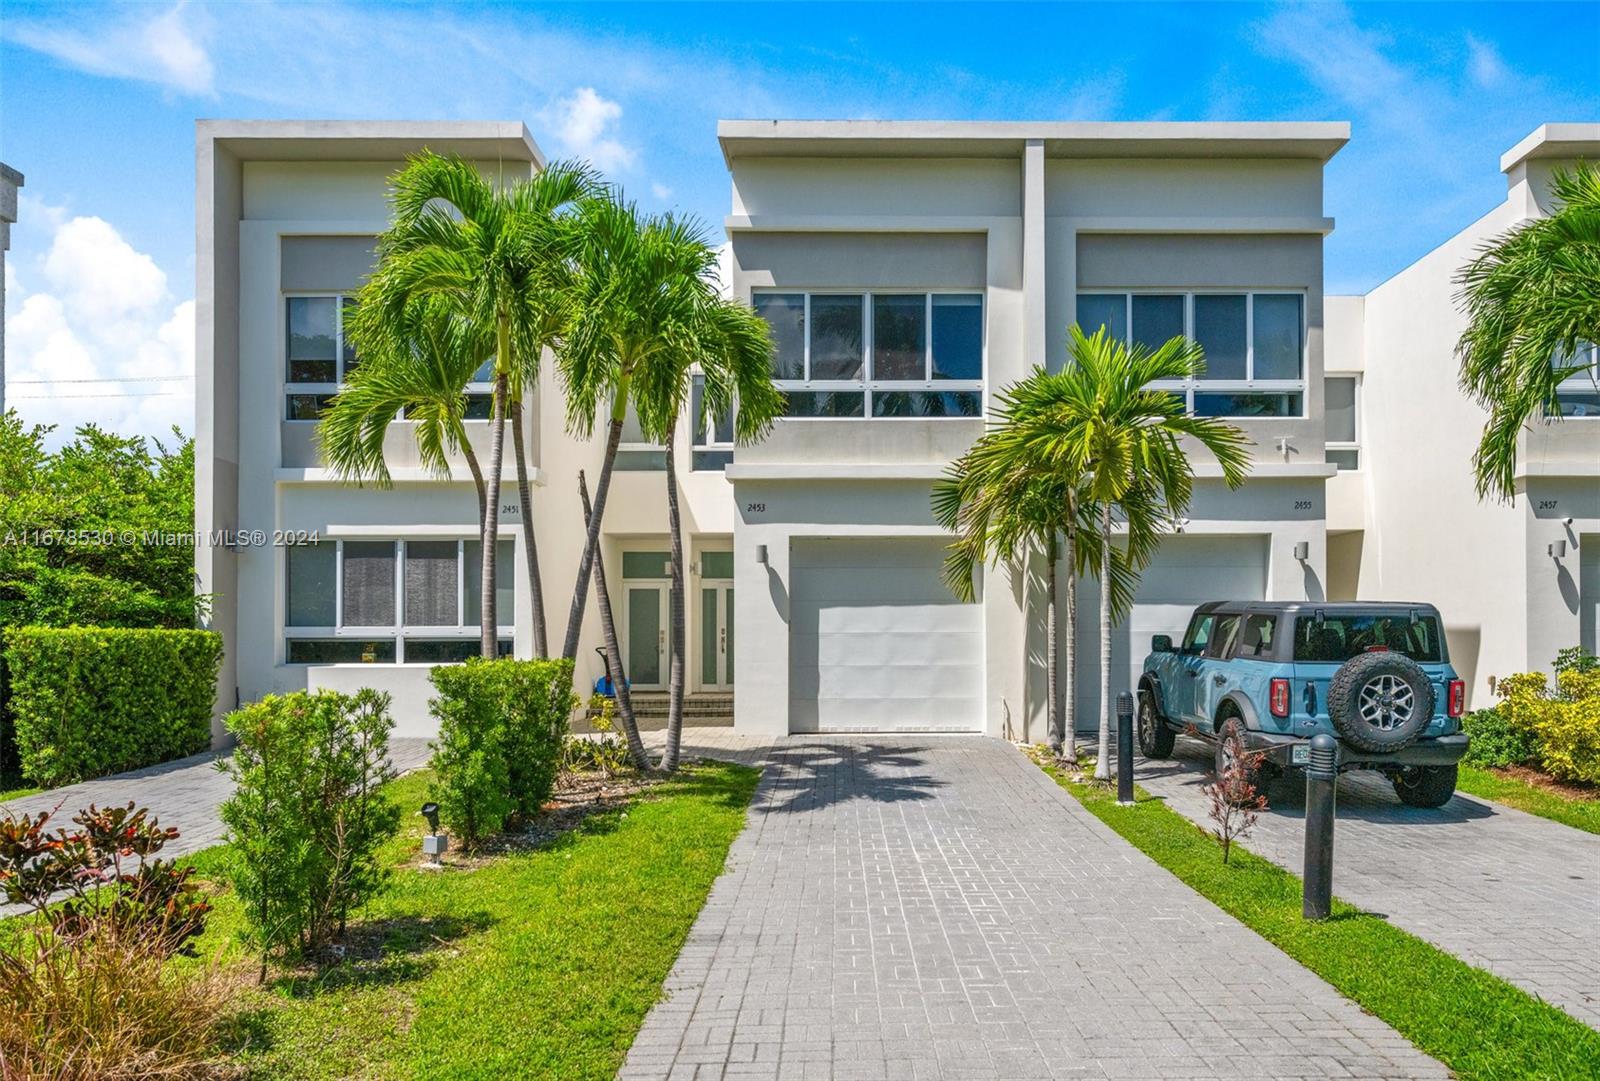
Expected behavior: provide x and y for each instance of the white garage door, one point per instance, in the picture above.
(1589, 592)
(1187, 571)
(876, 641)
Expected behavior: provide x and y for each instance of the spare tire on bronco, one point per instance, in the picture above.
(1380, 701)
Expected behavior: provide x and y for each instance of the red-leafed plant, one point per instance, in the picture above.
(89, 983)
(1235, 801)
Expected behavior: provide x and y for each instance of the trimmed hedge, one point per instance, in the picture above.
(502, 724)
(88, 701)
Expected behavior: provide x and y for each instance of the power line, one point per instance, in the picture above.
(103, 379)
(136, 394)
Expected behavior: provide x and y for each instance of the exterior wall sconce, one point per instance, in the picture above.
(1557, 549)
(1302, 550)
(761, 554)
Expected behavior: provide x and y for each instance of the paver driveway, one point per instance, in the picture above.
(186, 794)
(1507, 891)
(939, 908)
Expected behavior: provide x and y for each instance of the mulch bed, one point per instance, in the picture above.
(1566, 789)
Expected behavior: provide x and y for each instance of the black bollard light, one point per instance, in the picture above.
(1322, 782)
(1124, 749)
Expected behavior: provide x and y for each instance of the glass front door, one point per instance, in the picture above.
(646, 636)
(716, 637)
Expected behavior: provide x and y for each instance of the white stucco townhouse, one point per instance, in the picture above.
(909, 270)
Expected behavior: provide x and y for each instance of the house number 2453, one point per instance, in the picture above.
(755, 508)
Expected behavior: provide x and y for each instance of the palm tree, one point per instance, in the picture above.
(415, 369)
(731, 349)
(1532, 298)
(1005, 501)
(1103, 421)
(500, 257)
(645, 315)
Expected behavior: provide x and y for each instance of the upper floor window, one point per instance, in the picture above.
(388, 601)
(1579, 394)
(318, 356)
(713, 434)
(890, 354)
(1254, 345)
(1340, 411)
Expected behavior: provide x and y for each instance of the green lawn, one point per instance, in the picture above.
(1583, 814)
(1475, 1023)
(539, 964)
(18, 793)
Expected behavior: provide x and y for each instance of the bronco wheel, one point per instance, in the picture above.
(1155, 738)
(1237, 771)
(1425, 786)
(1380, 701)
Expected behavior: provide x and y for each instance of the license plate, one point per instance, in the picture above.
(1300, 754)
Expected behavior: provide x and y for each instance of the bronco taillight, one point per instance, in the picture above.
(1457, 698)
(1280, 698)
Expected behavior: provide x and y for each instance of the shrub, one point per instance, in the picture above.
(87, 986)
(502, 724)
(1497, 741)
(308, 816)
(88, 701)
(1565, 722)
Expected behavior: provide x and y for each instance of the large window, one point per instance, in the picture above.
(318, 358)
(893, 354)
(1579, 393)
(1340, 395)
(713, 433)
(388, 601)
(1254, 345)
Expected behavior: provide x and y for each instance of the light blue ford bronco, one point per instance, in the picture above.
(1259, 679)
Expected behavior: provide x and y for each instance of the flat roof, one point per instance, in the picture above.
(1554, 141)
(1313, 140)
(370, 140)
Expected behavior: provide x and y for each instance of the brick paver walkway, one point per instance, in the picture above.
(1507, 891)
(186, 794)
(939, 908)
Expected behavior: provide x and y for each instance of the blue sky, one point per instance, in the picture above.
(97, 105)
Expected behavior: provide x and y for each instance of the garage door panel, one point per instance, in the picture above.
(877, 641)
(843, 618)
(851, 649)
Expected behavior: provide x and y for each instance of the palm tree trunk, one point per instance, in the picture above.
(591, 544)
(1069, 681)
(608, 631)
(488, 622)
(477, 480)
(541, 643)
(1102, 764)
(669, 758)
(1052, 692)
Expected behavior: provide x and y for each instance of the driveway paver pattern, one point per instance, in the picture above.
(935, 907)
(1510, 892)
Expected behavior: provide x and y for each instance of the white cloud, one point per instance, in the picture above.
(660, 191)
(102, 340)
(163, 48)
(1484, 64)
(583, 123)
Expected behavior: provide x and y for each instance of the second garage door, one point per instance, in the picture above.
(1188, 570)
(876, 641)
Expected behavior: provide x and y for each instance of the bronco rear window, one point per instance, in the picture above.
(1337, 638)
